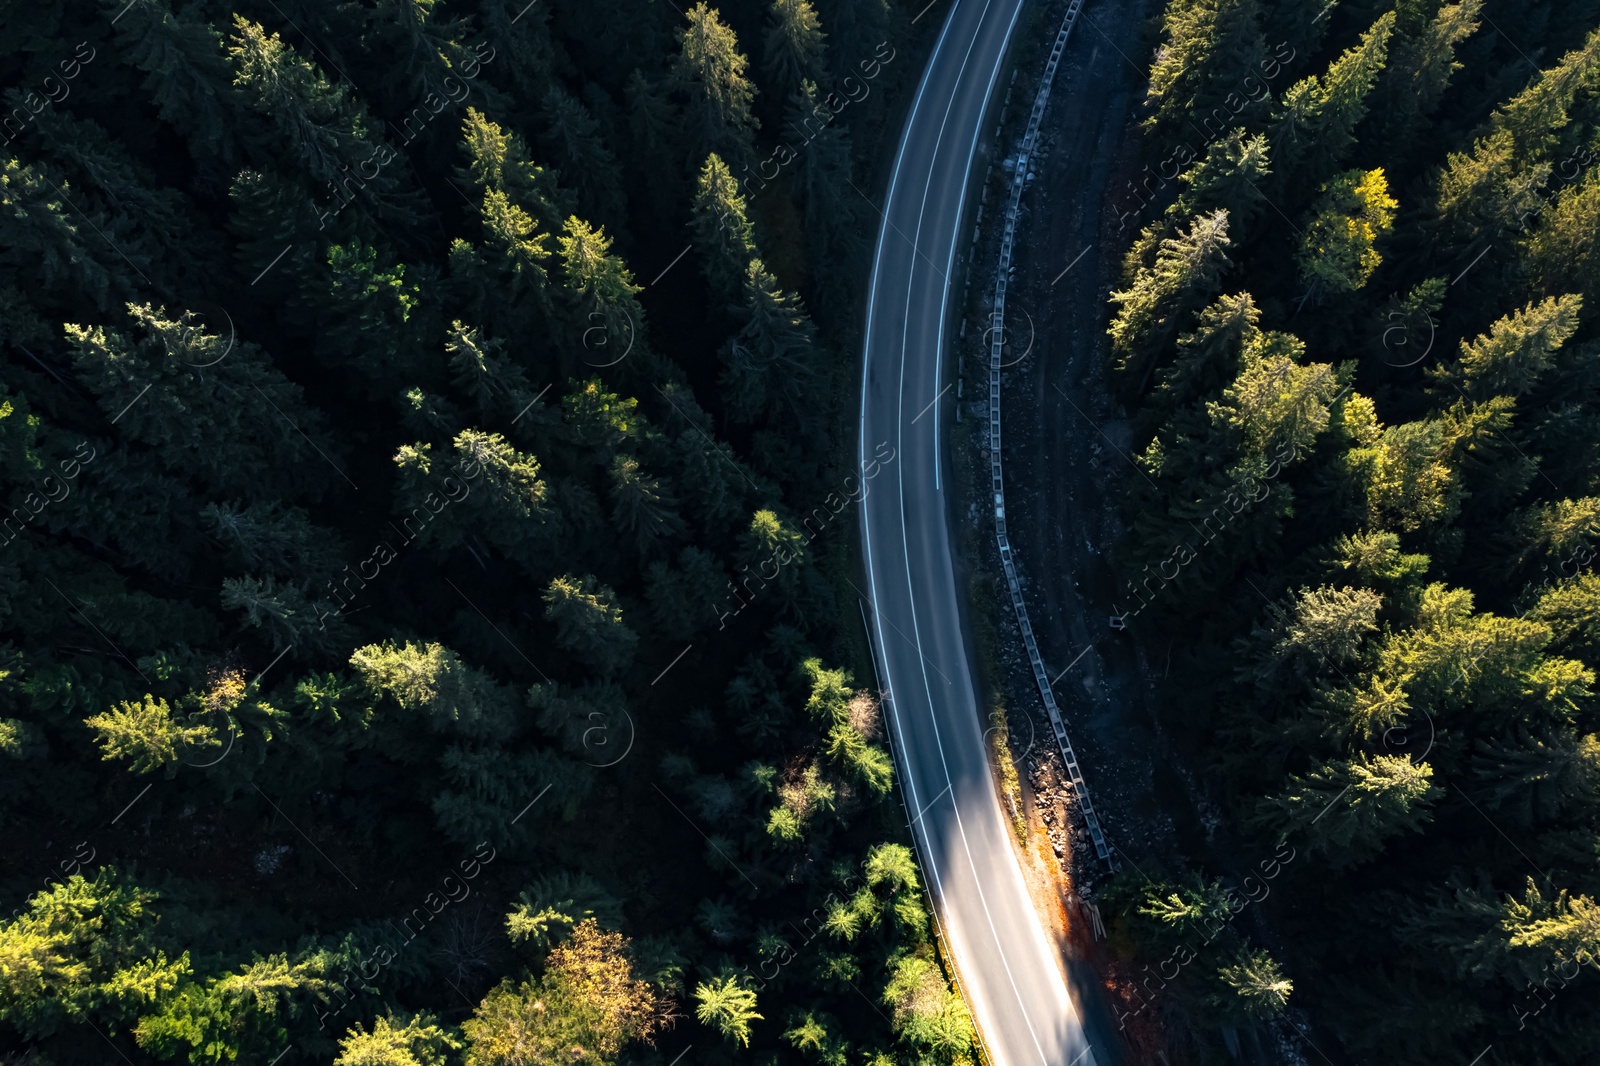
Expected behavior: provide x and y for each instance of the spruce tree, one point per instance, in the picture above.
(1152, 309)
(1339, 249)
(581, 154)
(1314, 126)
(1509, 359)
(1209, 49)
(710, 71)
(589, 623)
(1346, 810)
(722, 232)
(793, 45)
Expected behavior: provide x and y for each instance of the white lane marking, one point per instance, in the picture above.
(906, 552)
(929, 872)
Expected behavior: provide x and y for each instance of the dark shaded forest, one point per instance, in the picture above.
(1356, 337)
(426, 532)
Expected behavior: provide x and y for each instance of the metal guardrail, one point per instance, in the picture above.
(1019, 177)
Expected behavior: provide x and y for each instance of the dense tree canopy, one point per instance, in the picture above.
(398, 403)
(1356, 342)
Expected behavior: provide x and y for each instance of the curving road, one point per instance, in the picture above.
(1010, 974)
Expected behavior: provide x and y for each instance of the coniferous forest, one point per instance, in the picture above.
(1355, 334)
(426, 536)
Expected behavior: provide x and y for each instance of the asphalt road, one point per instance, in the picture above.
(1010, 974)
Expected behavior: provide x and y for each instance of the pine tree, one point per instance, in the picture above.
(1339, 250)
(653, 122)
(585, 719)
(1561, 253)
(858, 30)
(1260, 990)
(186, 75)
(582, 154)
(490, 489)
(1314, 126)
(1209, 49)
(606, 313)
(1420, 70)
(150, 737)
(830, 207)
(686, 598)
(794, 45)
(589, 623)
(584, 1009)
(480, 369)
(1229, 177)
(321, 127)
(37, 234)
(1571, 608)
(1152, 309)
(710, 71)
(1518, 348)
(1543, 935)
(532, 53)
(1495, 189)
(556, 903)
(147, 226)
(772, 365)
(1534, 115)
(1209, 356)
(724, 1003)
(289, 616)
(1326, 629)
(928, 1014)
(431, 679)
(1558, 532)
(82, 949)
(521, 207)
(1275, 406)
(1409, 480)
(485, 786)
(358, 298)
(1535, 778)
(429, 51)
(722, 231)
(641, 508)
(1346, 810)
(240, 1014)
(773, 550)
(419, 1042)
(272, 537)
(207, 404)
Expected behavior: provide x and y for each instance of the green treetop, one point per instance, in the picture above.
(710, 70)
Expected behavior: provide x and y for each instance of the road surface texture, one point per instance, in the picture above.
(1010, 974)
